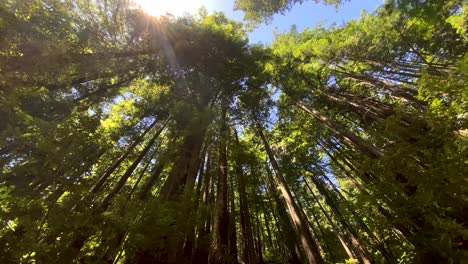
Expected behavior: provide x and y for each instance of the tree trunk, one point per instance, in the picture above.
(250, 256)
(362, 253)
(339, 216)
(341, 132)
(285, 226)
(130, 170)
(219, 250)
(186, 164)
(232, 226)
(200, 252)
(310, 248)
(116, 163)
(190, 238)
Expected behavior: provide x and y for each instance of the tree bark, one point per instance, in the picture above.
(232, 226)
(285, 224)
(220, 244)
(186, 164)
(310, 248)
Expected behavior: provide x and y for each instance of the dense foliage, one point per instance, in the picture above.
(126, 138)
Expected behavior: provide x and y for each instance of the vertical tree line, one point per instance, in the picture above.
(126, 138)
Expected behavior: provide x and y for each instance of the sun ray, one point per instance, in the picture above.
(162, 7)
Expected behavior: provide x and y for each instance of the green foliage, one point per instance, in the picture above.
(113, 148)
(257, 11)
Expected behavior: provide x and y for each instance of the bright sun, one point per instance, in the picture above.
(175, 7)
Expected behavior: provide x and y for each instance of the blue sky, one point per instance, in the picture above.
(305, 15)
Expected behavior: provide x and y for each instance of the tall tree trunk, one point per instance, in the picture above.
(154, 178)
(219, 250)
(267, 226)
(250, 257)
(186, 164)
(258, 237)
(80, 238)
(190, 238)
(285, 225)
(310, 248)
(362, 253)
(317, 222)
(142, 173)
(339, 216)
(232, 226)
(200, 251)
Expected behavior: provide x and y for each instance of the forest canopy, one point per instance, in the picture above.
(129, 138)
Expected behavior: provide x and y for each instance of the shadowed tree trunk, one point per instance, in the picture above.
(220, 244)
(186, 162)
(232, 226)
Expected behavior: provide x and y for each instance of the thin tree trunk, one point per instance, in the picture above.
(79, 239)
(317, 222)
(130, 170)
(342, 133)
(339, 216)
(200, 251)
(363, 254)
(258, 237)
(116, 163)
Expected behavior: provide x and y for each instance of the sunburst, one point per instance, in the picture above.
(162, 7)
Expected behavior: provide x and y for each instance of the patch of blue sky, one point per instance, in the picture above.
(303, 15)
